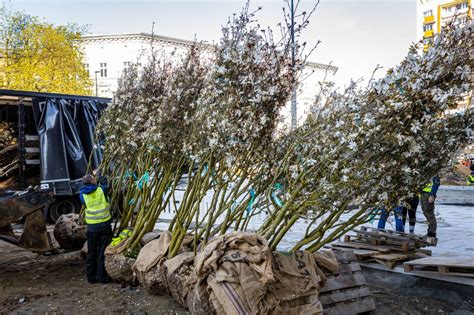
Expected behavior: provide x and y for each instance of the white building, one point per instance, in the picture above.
(108, 56)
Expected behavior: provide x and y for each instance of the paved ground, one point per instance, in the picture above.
(455, 230)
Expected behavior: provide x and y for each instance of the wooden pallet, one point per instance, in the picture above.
(421, 240)
(363, 245)
(393, 259)
(367, 237)
(450, 266)
(345, 291)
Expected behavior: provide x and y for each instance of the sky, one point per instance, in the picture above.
(355, 35)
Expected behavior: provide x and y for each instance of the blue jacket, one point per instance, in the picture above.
(85, 190)
(436, 183)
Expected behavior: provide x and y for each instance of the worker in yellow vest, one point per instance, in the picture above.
(427, 198)
(470, 178)
(99, 230)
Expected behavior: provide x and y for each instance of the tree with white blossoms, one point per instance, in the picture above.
(145, 130)
(236, 118)
(211, 117)
(373, 147)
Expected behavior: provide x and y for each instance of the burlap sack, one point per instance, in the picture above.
(147, 267)
(69, 231)
(148, 237)
(237, 270)
(236, 274)
(299, 278)
(119, 268)
(177, 272)
(197, 298)
(153, 281)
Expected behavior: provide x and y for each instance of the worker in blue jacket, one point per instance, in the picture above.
(427, 198)
(99, 230)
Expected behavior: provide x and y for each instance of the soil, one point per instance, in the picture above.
(31, 283)
(38, 284)
(398, 294)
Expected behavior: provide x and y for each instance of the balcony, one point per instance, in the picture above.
(428, 33)
(429, 19)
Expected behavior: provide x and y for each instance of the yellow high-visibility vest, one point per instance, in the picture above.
(428, 187)
(97, 207)
(470, 180)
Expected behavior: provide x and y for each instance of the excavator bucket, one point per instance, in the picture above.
(28, 205)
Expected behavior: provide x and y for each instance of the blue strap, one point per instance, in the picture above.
(277, 200)
(402, 91)
(130, 174)
(252, 199)
(143, 180)
(372, 215)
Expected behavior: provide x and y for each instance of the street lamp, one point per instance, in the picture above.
(294, 116)
(96, 86)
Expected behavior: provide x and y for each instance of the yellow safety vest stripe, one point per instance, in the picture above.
(470, 179)
(97, 207)
(428, 187)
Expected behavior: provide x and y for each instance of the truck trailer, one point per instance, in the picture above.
(56, 144)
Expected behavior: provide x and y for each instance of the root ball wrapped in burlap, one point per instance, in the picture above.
(69, 232)
(197, 298)
(119, 268)
(153, 281)
(178, 272)
(148, 237)
(147, 268)
(241, 276)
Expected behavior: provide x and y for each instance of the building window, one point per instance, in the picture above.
(126, 66)
(427, 27)
(87, 68)
(461, 6)
(462, 21)
(103, 69)
(428, 13)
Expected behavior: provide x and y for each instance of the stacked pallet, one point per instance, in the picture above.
(346, 291)
(386, 247)
(447, 266)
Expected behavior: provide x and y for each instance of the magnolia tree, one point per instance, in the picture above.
(373, 147)
(146, 130)
(210, 116)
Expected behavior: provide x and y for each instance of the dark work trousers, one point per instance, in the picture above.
(428, 211)
(96, 244)
(411, 211)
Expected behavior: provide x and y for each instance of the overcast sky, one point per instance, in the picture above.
(356, 35)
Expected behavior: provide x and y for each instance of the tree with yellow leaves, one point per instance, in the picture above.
(39, 56)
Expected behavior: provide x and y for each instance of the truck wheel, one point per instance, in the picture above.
(63, 205)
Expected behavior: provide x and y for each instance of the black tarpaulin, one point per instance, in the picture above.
(66, 131)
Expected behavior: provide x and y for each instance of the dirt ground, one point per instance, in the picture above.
(32, 284)
(399, 294)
